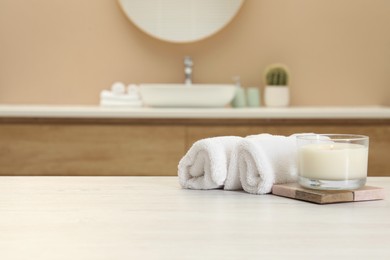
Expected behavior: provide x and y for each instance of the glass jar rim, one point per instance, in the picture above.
(338, 137)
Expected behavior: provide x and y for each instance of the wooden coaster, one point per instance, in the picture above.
(295, 191)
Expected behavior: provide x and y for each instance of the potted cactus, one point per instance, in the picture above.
(276, 93)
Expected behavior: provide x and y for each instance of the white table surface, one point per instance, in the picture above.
(357, 112)
(153, 218)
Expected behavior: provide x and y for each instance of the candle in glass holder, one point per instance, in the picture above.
(332, 161)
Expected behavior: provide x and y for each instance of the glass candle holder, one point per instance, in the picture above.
(332, 161)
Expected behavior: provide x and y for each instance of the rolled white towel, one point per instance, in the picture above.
(109, 96)
(233, 181)
(133, 90)
(118, 88)
(262, 161)
(206, 162)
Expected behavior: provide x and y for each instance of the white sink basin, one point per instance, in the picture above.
(181, 95)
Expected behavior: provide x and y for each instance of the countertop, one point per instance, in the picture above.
(369, 112)
(153, 218)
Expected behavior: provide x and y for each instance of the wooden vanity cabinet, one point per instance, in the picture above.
(90, 149)
(151, 147)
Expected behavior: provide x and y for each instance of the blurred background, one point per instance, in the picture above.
(66, 52)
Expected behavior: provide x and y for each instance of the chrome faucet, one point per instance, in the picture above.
(188, 70)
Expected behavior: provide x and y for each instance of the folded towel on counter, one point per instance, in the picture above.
(119, 97)
(259, 161)
(108, 95)
(206, 162)
(113, 103)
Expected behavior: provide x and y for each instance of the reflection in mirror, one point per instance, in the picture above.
(180, 21)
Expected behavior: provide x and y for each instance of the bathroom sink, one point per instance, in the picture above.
(181, 95)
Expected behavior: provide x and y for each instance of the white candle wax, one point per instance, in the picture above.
(333, 161)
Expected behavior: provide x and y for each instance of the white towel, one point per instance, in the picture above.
(262, 160)
(233, 181)
(111, 103)
(206, 162)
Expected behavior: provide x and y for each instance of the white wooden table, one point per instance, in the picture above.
(153, 218)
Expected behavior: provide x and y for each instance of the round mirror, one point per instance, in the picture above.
(180, 21)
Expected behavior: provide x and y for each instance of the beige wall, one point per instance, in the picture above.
(65, 52)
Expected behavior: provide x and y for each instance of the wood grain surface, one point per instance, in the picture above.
(30, 149)
(134, 147)
(295, 191)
